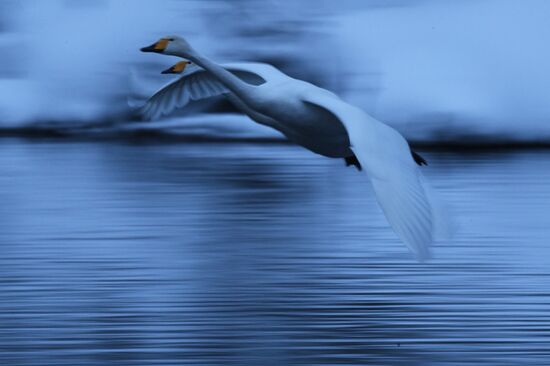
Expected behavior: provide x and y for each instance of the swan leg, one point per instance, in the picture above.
(352, 160)
(418, 159)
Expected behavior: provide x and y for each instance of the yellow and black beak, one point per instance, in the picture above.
(177, 68)
(157, 47)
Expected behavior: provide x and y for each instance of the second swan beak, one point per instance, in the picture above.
(177, 68)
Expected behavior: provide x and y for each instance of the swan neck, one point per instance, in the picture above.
(230, 81)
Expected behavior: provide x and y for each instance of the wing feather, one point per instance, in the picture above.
(398, 183)
(200, 84)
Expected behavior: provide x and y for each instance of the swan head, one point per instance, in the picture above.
(178, 68)
(170, 45)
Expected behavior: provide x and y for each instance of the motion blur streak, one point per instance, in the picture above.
(229, 254)
(437, 70)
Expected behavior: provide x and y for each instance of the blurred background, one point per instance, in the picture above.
(203, 239)
(461, 71)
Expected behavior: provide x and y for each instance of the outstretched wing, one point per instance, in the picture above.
(398, 184)
(195, 86)
(200, 84)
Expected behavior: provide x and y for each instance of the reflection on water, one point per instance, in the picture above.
(210, 254)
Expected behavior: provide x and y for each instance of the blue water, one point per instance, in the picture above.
(120, 253)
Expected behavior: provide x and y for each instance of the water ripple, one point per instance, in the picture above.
(209, 254)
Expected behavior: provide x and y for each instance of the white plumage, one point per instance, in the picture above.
(320, 121)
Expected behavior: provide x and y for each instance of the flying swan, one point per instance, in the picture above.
(318, 120)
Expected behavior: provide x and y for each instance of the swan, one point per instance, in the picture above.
(318, 120)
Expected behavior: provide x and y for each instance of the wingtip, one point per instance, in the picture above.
(424, 254)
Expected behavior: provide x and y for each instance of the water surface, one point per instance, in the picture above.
(118, 253)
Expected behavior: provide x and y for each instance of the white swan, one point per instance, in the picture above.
(321, 122)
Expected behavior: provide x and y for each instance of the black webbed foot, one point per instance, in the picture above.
(418, 159)
(352, 160)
